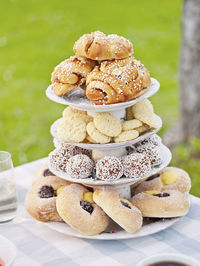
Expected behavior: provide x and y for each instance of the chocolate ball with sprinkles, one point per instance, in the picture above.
(153, 140)
(109, 168)
(79, 166)
(136, 165)
(58, 159)
(151, 152)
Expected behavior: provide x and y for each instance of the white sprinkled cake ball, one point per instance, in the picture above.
(109, 168)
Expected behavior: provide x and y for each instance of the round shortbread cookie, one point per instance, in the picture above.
(131, 124)
(127, 135)
(90, 139)
(96, 135)
(143, 128)
(143, 107)
(107, 124)
(72, 130)
(70, 114)
(149, 119)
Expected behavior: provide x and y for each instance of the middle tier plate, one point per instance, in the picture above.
(93, 181)
(107, 146)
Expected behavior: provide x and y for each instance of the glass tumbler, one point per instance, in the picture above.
(8, 193)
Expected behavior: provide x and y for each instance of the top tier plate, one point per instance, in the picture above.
(78, 101)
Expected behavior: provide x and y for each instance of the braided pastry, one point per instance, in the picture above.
(98, 46)
(117, 81)
(70, 74)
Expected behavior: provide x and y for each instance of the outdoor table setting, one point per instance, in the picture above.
(106, 193)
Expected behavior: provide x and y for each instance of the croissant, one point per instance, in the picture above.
(70, 74)
(98, 46)
(117, 81)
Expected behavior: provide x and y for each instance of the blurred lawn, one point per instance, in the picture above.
(36, 35)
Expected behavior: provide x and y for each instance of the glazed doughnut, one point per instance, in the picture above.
(170, 178)
(40, 200)
(165, 204)
(120, 210)
(79, 211)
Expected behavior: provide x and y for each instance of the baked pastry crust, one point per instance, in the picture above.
(117, 81)
(98, 46)
(70, 74)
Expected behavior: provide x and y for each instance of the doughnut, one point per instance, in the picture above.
(42, 173)
(151, 152)
(170, 178)
(71, 130)
(40, 201)
(120, 210)
(77, 208)
(96, 135)
(165, 204)
(58, 159)
(107, 124)
(109, 168)
(79, 166)
(71, 113)
(131, 124)
(126, 135)
(136, 165)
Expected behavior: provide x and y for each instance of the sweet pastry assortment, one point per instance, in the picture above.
(137, 162)
(77, 126)
(90, 211)
(126, 184)
(104, 66)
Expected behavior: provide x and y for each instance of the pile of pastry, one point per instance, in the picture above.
(77, 126)
(89, 211)
(104, 66)
(77, 162)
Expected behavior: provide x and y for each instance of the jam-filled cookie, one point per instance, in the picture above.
(40, 200)
(76, 207)
(170, 178)
(120, 210)
(165, 204)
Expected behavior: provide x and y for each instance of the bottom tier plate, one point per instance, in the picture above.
(114, 232)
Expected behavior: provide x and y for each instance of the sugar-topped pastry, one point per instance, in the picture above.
(70, 74)
(136, 165)
(98, 46)
(109, 168)
(120, 210)
(76, 207)
(79, 166)
(161, 204)
(115, 81)
(170, 178)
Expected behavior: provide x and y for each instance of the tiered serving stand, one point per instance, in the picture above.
(77, 100)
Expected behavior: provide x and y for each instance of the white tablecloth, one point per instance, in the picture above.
(38, 245)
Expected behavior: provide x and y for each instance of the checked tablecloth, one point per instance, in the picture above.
(38, 245)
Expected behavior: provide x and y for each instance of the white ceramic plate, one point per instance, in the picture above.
(108, 146)
(118, 233)
(166, 158)
(7, 251)
(78, 101)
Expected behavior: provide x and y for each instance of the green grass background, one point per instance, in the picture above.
(36, 35)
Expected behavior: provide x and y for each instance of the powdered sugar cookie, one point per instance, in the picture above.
(131, 124)
(96, 134)
(107, 124)
(126, 135)
(71, 130)
(71, 113)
